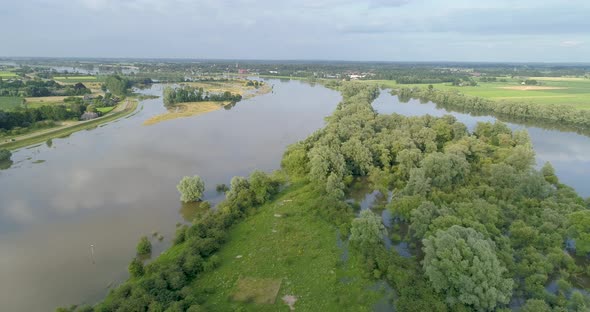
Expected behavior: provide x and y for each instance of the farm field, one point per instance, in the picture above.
(551, 90)
(74, 79)
(8, 103)
(7, 74)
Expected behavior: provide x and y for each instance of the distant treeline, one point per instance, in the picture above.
(563, 115)
(190, 94)
(37, 88)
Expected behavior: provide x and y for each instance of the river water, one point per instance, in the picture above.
(108, 186)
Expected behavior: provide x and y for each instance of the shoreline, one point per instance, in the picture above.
(40, 137)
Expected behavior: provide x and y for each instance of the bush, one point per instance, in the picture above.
(191, 189)
(144, 247)
(5, 154)
(221, 188)
(135, 268)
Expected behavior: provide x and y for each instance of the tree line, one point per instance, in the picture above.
(38, 88)
(29, 117)
(186, 94)
(558, 114)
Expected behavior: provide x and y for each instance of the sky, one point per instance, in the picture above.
(354, 30)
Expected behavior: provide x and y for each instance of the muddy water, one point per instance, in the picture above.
(108, 186)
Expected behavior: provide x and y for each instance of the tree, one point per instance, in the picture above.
(117, 85)
(445, 169)
(549, 173)
(580, 231)
(461, 263)
(135, 268)
(367, 230)
(144, 247)
(191, 189)
(535, 305)
(5, 155)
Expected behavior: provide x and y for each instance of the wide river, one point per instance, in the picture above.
(71, 214)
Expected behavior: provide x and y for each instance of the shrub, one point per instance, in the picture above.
(144, 247)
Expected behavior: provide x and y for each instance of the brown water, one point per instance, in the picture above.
(108, 186)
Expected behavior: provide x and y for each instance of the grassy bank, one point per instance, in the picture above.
(65, 131)
(286, 241)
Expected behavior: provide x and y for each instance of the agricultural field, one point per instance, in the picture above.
(550, 90)
(8, 103)
(34, 102)
(75, 79)
(7, 74)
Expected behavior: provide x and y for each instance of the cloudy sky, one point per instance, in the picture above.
(386, 30)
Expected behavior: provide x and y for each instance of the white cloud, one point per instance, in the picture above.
(570, 43)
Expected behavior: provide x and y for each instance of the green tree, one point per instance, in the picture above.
(535, 305)
(144, 247)
(367, 230)
(5, 155)
(445, 170)
(191, 189)
(135, 268)
(580, 231)
(463, 265)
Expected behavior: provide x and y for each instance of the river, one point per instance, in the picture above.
(108, 186)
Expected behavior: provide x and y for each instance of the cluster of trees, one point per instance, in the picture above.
(29, 117)
(117, 85)
(37, 88)
(186, 94)
(254, 83)
(562, 115)
(164, 285)
(490, 227)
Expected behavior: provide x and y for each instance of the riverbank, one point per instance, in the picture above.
(122, 110)
(184, 110)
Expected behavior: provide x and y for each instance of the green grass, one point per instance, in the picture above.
(7, 74)
(75, 79)
(9, 103)
(106, 109)
(69, 130)
(575, 92)
(286, 240)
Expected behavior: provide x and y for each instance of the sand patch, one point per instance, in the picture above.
(290, 301)
(185, 110)
(531, 88)
(258, 290)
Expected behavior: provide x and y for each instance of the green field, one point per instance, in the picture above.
(9, 103)
(106, 109)
(569, 91)
(7, 74)
(74, 79)
(287, 241)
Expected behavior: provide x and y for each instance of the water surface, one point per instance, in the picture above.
(108, 186)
